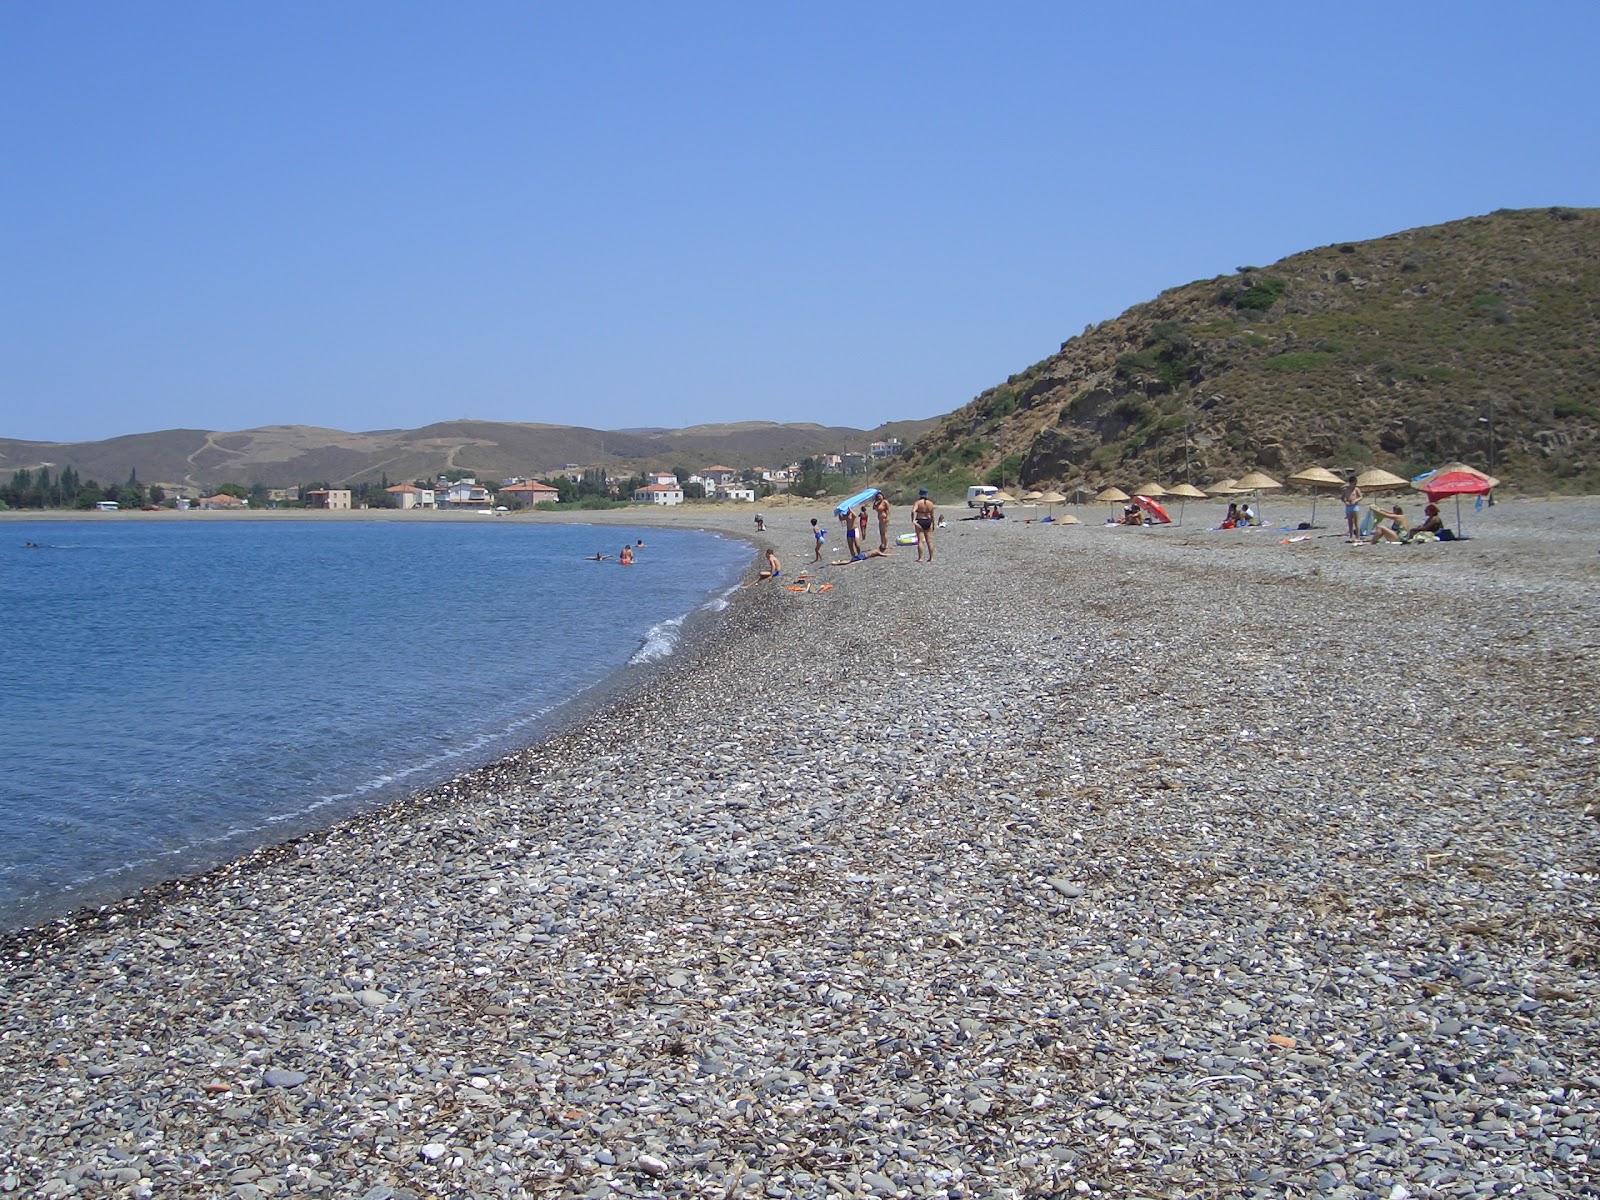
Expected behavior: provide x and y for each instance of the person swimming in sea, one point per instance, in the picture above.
(598, 556)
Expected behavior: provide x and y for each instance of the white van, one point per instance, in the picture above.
(977, 495)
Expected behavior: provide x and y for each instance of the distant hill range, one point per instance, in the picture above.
(1473, 340)
(281, 455)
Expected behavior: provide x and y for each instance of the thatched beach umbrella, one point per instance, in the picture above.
(1316, 478)
(1224, 487)
(1379, 480)
(1185, 492)
(1256, 482)
(1052, 498)
(1111, 495)
(1151, 489)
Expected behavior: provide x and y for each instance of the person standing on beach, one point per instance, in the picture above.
(852, 544)
(1352, 510)
(881, 507)
(922, 518)
(820, 535)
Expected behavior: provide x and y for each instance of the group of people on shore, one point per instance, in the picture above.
(1398, 529)
(856, 522)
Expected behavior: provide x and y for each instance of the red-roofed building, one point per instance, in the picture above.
(528, 493)
(658, 493)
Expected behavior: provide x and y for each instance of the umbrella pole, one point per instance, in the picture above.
(1460, 532)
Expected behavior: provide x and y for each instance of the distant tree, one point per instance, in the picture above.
(694, 491)
(682, 473)
(158, 494)
(237, 490)
(810, 481)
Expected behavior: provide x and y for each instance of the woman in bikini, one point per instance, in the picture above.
(922, 518)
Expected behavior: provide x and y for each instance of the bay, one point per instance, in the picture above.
(173, 694)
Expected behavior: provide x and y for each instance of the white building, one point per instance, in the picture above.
(659, 493)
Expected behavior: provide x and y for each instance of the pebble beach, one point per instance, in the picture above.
(1082, 861)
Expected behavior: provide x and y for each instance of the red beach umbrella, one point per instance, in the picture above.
(1457, 484)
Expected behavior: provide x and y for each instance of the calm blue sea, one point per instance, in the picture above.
(174, 694)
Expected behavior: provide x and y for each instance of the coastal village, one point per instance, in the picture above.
(467, 493)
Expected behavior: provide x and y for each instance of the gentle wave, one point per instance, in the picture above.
(659, 641)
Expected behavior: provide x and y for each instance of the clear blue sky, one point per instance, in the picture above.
(380, 215)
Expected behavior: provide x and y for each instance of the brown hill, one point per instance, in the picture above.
(1477, 340)
(280, 455)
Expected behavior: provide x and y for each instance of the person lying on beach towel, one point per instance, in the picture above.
(873, 553)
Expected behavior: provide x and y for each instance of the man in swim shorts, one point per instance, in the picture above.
(1352, 510)
(851, 541)
(922, 518)
(774, 567)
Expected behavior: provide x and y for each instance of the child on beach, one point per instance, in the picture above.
(852, 543)
(821, 535)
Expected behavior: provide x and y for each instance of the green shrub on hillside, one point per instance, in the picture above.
(1258, 297)
(1299, 360)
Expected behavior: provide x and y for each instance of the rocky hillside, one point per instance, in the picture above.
(1478, 340)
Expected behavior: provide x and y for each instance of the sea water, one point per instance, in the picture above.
(173, 694)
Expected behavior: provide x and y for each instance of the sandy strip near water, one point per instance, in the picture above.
(1088, 861)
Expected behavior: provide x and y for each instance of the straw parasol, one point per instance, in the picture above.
(1256, 481)
(1031, 497)
(1378, 480)
(1185, 492)
(1052, 498)
(1067, 519)
(1316, 478)
(1223, 487)
(1151, 489)
(1111, 495)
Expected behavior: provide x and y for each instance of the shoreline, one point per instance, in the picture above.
(1141, 859)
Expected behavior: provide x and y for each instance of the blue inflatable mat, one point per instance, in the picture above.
(859, 498)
